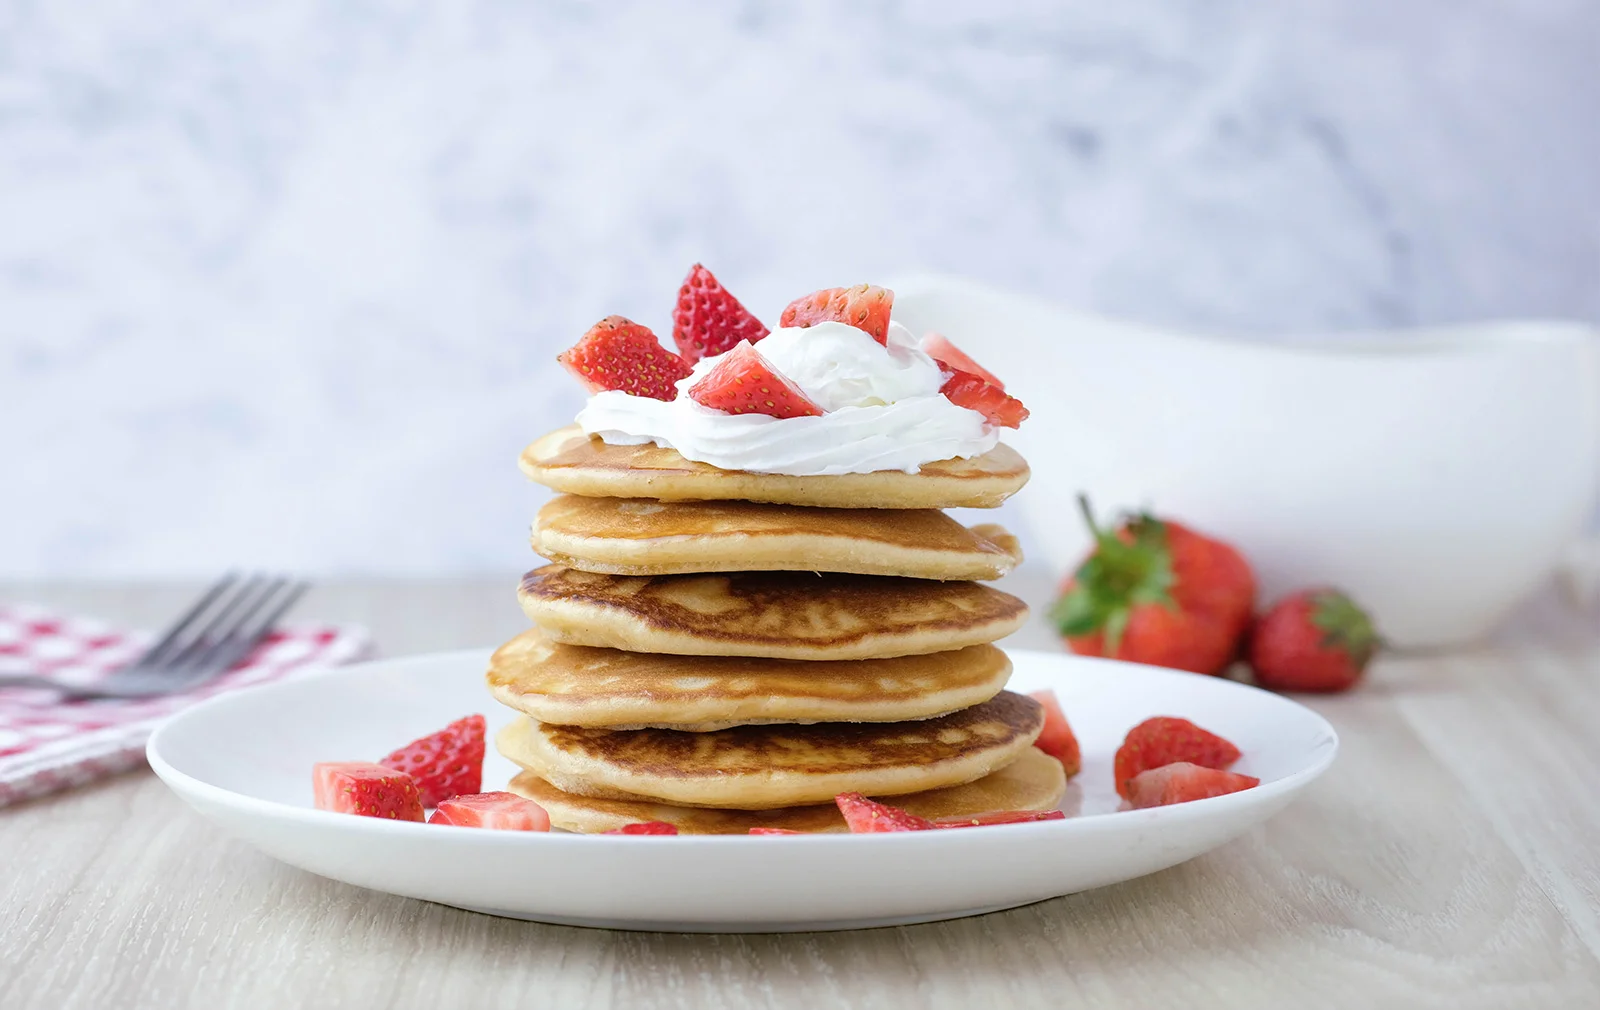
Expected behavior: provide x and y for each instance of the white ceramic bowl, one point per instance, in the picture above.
(244, 761)
(1437, 475)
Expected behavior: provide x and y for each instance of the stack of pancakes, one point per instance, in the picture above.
(724, 650)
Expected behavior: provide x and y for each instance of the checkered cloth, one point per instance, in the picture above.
(47, 744)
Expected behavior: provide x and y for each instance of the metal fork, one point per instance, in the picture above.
(228, 619)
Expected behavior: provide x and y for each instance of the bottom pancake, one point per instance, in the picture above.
(1034, 781)
(763, 767)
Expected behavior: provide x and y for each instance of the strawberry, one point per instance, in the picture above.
(1057, 738)
(954, 359)
(620, 354)
(502, 811)
(1314, 640)
(742, 382)
(1000, 817)
(644, 828)
(708, 320)
(866, 816)
(1157, 592)
(965, 389)
(864, 306)
(774, 831)
(361, 787)
(445, 764)
(1182, 782)
(1166, 740)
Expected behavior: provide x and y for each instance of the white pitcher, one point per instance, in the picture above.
(1437, 475)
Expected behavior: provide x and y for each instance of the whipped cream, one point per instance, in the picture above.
(884, 411)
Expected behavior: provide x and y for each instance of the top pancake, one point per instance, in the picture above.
(568, 460)
(641, 536)
(1034, 781)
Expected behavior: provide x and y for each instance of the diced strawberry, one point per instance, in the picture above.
(866, 816)
(708, 320)
(954, 359)
(501, 811)
(774, 831)
(967, 390)
(741, 382)
(1182, 782)
(444, 764)
(620, 354)
(1001, 817)
(864, 306)
(367, 789)
(645, 828)
(1166, 740)
(1057, 738)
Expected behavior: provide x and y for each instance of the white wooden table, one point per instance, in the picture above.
(1451, 858)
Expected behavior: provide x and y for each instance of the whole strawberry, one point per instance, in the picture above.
(1157, 592)
(1313, 640)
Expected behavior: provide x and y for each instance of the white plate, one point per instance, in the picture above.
(244, 760)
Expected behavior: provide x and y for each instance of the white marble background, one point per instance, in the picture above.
(282, 283)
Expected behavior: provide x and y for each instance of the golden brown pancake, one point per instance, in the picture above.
(1034, 781)
(568, 460)
(641, 536)
(575, 685)
(761, 767)
(781, 615)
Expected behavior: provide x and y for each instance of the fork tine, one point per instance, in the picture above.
(157, 653)
(251, 628)
(218, 623)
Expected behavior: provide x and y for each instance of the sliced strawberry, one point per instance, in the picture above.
(1182, 782)
(868, 816)
(645, 828)
(774, 831)
(501, 811)
(620, 354)
(864, 306)
(1001, 817)
(741, 382)
(1057, 738)
(445, 764)
(367, 789)
(967, 390)
(954, 359)
(708, 320)
(1165, 740)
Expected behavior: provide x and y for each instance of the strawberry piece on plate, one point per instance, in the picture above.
(866, 816)
(864, 306)
(1057, 738)
(1001, 817)
(1165, 740)
(708, 320)
(620, 354)
(774, 831)
(644, 828)
(954, 359)
(500, 811)
(366, 789)
(742, 382)
(444, 764)
(965, 389)
(1182, 782)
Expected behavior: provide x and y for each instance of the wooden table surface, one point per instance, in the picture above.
(1451, 858)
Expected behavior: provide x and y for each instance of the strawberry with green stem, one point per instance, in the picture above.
(1313, 640)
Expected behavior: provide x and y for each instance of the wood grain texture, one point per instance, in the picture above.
(1449, 859)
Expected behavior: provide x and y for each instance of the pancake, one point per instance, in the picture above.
(641, 536)
(575, 685)
(780, 615)
(761, 767)
(568, 460)
(1033, 781)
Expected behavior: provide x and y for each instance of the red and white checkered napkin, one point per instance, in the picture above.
(47, 744)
